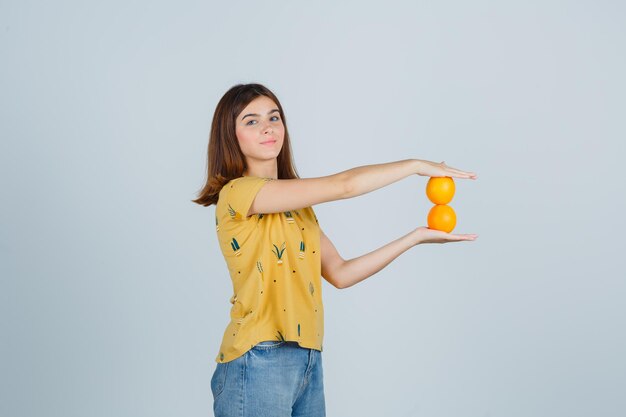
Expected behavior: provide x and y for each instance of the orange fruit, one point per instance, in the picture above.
(442, 217)
(440, 190)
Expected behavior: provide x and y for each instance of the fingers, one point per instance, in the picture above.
(453, 172)
(450, 238)
(463, 237)
(467, 237)
(464, 175)
(459, 173)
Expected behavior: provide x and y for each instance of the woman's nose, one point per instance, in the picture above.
(267, 128)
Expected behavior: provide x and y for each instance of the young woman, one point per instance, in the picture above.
(269, 362)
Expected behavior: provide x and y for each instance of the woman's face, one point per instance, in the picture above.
(260, 130)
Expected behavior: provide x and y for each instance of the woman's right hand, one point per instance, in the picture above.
(434, 169)
(427, 235)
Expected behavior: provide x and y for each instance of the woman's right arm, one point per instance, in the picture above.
(282, 195)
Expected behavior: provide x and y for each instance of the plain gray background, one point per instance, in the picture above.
(114, 294)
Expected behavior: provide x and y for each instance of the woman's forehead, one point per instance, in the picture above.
(261, 103)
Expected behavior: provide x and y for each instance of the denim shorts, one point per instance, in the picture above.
(272, 379)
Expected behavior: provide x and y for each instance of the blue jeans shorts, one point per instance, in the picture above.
(272, 379)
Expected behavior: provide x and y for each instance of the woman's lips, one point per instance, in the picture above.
(269, 142)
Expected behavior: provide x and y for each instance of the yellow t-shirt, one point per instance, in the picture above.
(274, 263)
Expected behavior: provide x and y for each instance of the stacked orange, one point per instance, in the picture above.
(440, 191)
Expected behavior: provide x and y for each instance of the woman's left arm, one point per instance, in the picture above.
(343, 274)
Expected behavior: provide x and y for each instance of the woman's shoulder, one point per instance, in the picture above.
(245, 179)
(231, 184)
(237, 195)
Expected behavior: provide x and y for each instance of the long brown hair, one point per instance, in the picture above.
(225, 160)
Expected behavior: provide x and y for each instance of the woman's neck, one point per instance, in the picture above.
(269, 170)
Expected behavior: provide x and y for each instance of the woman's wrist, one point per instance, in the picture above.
(418, 166)
(415, 238)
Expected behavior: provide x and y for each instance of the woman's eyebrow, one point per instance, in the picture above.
(254, 114)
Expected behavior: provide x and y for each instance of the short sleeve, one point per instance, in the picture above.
(241, 194)
(314, 215)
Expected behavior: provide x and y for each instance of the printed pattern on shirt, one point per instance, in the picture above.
(275, 267)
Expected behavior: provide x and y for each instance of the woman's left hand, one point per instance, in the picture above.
(426, 235)
(434, 169)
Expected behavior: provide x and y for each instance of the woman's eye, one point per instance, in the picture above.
(273, 118)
